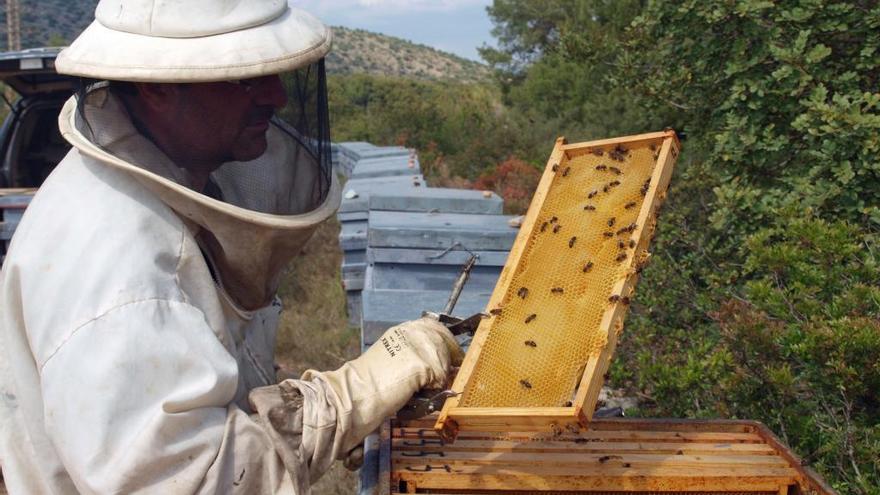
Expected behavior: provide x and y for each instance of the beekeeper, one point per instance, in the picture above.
(137, 300)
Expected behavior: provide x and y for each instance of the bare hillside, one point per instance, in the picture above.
(355, 51)
(360, 51)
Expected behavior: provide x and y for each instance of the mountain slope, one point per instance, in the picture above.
(57, 22)
(359, 51)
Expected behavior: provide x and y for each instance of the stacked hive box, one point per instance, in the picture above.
(389, 168)
(404, 241)
(404, 245)
(413, 259)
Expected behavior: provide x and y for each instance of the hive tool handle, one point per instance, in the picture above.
(427, 402)
(459, 284)
(458, 326)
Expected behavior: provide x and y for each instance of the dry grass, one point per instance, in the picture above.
(314, 331)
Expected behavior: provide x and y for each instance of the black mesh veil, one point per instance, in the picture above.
(306, 119)
(284, 183)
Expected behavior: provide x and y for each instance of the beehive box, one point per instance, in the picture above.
(559, 304)
(645, 456)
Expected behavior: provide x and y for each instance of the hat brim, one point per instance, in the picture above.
(292, 40)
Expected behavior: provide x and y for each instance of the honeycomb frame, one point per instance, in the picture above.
(592, 273)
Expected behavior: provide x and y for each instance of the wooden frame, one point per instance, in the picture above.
(454, 418)
(620, 455)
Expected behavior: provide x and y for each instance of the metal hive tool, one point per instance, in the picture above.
(559, 304)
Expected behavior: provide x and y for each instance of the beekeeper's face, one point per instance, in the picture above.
(227, 121)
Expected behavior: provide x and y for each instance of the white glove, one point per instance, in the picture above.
(411, 356)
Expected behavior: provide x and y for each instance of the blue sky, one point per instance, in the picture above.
(457, 26)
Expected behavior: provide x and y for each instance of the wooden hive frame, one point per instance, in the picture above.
(454, 418)
(612, 455)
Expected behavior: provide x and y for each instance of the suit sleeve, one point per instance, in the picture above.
(140, 400)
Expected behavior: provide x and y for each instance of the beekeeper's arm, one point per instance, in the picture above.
(340, 408)
(139, 400)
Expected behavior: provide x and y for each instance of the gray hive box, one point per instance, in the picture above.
(419, 269)
(353, 235)
(383, 151)
(348, 153)
(420, 255)
(436, 199)
(353, 214)
(440, 231)
(356, 192)
(385, 166)
(383, 309)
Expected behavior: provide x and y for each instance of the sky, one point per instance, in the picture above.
(456, 26)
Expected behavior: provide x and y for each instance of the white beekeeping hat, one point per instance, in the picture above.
(194, 41)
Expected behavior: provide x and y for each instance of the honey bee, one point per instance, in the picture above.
(531, 318)
(629, 228)
(614, 183)
(632, 243)
(590, 208)
(543, 226)
(615, 170)
(565, 172)
(495, 311)
(557, 290)
(588, 266)
(598, 152)
(555, 167)
(605, 189)
(624, 300)
(531, 343)
(608, 234)
(571, 242)
(621, 244)
(611, 222)
(618, 153)
(629, 205)
(556, 228)
(601, 167)
(554, 220)
(620, 257)
(522, 292)
(525, 383)
(592, 194)
(614, 298)
(653, 147)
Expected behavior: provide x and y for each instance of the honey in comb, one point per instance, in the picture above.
(570, 321)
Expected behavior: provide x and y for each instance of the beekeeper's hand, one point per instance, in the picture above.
(411, 356)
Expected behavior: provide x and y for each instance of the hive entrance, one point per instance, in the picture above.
(560, 301)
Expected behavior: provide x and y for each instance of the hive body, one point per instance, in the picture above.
(560, 301)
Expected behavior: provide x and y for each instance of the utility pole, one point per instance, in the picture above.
(13, 25)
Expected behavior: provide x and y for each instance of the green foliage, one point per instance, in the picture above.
(782, 95)
(806, 345)
(761, 300)
(459, 129)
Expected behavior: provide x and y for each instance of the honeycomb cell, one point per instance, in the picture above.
(581, 244)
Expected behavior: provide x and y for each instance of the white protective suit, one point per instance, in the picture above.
(126, 367)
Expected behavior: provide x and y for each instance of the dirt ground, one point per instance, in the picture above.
(314, 331)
